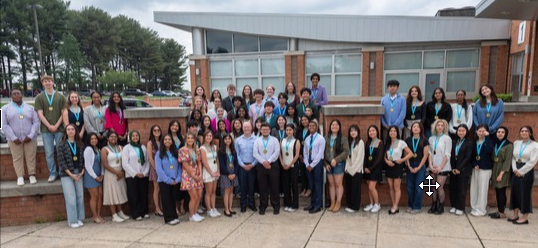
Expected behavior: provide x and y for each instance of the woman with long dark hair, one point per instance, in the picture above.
(169, 176)
(237, 129)
(462, 151)
(354, 169)
(248, 96)
(94, 118)
(291, 92)
(416, 110)
(301, 134)
(416, 166)
(488, 110)
(500, 175)
(174, 129)
(462, 113)
(397, 153)
(93, 177)
(136, 166)
(115, 118)
(336, 152)
(153, 145)
(373, 160)
(291, 115)
(228, 172)
(482, 164)
(114, 187)
(191, 178)
(211, 172)
(199, 91)
(290, 149)
(437, 109)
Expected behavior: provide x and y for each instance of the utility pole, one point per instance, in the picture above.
(40, 70)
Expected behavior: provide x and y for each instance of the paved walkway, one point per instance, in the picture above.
(299, 229)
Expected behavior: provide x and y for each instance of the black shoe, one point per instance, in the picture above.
(520, 223)
(233, 212)
(512, 219)
(227, 214)
(158, 214)
(307, 208)
(253, 208)
(391, 212)
(440, 209)
(433, 208)
(276, 211)
(262, 211)
(243, 209)
(314, 210)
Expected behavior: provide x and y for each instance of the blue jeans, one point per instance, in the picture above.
(74, 199)
(315, 179)
(413, 190)
(50, 141)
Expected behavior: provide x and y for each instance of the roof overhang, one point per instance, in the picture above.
(508, 9)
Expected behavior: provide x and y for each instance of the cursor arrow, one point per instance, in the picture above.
(429, 177)
(429, 193)
(437, 185)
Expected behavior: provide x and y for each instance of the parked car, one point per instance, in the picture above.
(170, 93)
(159, 93)
(187, 102)
(134, 103)
(134, 92)
(85, 92)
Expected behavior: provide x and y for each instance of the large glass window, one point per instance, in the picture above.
(221, 68)
(273, 44)
(221, 85)
(245, 43)
(457, 80)
(403, 61)
(434, 60)
(218, 42)
(221, 42)
(347, 85)
(462, 58)
(340, 74)
(245, 67)
(406, 80)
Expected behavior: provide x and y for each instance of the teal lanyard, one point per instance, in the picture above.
(282, 112)
(193, 154)
(229, 154)
(392, 101)
(97, 155)
(352, 146)
(391, 150)
(372, 146)
(288, 142)
(497, 150)
(178, 143)
(437, 108)
(459, 109)
(19, 108)
(314, 93)
(73, 148)
(212, 152)
(77, 114)
(170, 158)
(115, 150)
(312, 142)
(265, 143)
(98, 111)
(414, 107)
(437, 138)
(415, 146)
(138, 150)
(258, 109)
(331, 141)
(458, 146)
(522, 148)
(488, 107)
(479, 146)
(268, 120)
(305, 132)
(281, 134)
(51, 98)
(290, 98)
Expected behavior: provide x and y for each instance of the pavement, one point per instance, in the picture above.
(298, 229)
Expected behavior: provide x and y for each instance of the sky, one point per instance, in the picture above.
(142, 10)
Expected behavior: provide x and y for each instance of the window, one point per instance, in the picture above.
(273, 44)
(340, 74)
(462, 58)
(457, 80)
(245, 43)
(223, 42)
(406, 80)
(403, 61)
(218, 42)
(434, 60)
(517, 70)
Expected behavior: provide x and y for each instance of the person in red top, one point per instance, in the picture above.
(115, 119)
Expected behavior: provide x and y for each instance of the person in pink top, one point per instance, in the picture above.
(115, 119)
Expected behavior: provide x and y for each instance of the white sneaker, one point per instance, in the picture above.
(117, 218)
(20, 181)
(51, 179)
(211, 213)
(287, 209)
(146, 216)
(349, 210)
(80, 223)
(477, 214)
(459, 212)
(195, 218)
(33, 180)
(139, 218)
(452, 210)
(291, 210)
(73, 225)
(216, 212)
(199, 216)
(123, 216)
(368, 208)
(173, 222)
(376, 208)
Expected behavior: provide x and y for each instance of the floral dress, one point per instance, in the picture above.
(187, 182)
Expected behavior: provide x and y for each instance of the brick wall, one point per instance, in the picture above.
(7, 172)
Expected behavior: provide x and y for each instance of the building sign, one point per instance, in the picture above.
(521, 32)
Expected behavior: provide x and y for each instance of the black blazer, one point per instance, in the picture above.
(227, 104)
(65, 159)
(445, 113)
(223, 163)
(462, 162)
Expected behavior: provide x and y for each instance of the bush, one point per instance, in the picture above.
(504, 97)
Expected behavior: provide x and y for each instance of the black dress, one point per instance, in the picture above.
(375, 164)
(73, 120)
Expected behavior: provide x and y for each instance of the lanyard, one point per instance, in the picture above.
(98, 111)
(352, 146)
(459, 109)
(193, 154)
(458, 146)
(19, 108)
(437, 138)
(415, 146)
(288, 142)
(282, 112)
(258, 109)
(229, 154)
(437, 108)
(305, 132)
(391, 150)
(414, 107)
(331, 141)
(265, 143)
(177, 143)
(290, 98)
(372, 146)
(312, 142)
(488, 107)
(314, 93)
(51, 98)
(499, 149)
(170, 158)
(73, 148)
(115, 151)
(479, 146)
(392, 101)
(522, 148)
(212, 151)
(281, 134)
(77, 114)
(268, 120)
(97, 156)
(120, 113)
(138, 150)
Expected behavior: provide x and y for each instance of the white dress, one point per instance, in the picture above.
(212, 162)
(114, 191)
(444, 148)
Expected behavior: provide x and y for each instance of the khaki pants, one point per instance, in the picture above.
(21, 153)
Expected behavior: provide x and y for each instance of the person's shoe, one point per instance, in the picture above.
(440, 209)
(146, 216)
(227, 214)
(232, 212)
(211, 213)
(195, 218)
(495, 215)
(117, 218)
(51, 179)
(139, 218)
(173, 222)
(80, 223)
(337, 207)
(477, 214)
(33, 180)
(201, 210)
(253, 208)
(307, 208)
(433, 208)
(216, 212)
(415, 211)
(375, 208)
(409, 210)
(20, 181)
(330, 208)
(199, 216)
(123, 216)
(512, 219)
(521, 223)
(349, 210)
(314, 210)
(158, 214)
(452, 210)
(368, 207)
(243, 209)
(291, 209)
(459, 212)
(73, 225)
(262, 211)
(395, 211)
(276, 211)
(286, 209)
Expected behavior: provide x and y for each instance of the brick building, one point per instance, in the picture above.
(356, 55)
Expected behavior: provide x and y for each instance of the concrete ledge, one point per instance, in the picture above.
(291, 53)
(164, 112)
(352, 109)
(42, 187)
(520, 107)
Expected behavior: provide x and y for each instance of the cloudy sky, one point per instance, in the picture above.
(142, 10)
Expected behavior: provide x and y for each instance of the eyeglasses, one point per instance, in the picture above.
(524, 131)
(156, 130)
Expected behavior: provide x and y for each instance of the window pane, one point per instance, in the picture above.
(220, 84)
(319, 64)
(221, 68)
(273, 44)
(434, 60)
(246, 67)
(241, 82)
(245, 43)
(347, 85)
(406, 80)
(273, 66)
(278, 82)
(401, 61)
(325, 81)
(462, 58)
(460, 80)
(218, 42)
(348, 63)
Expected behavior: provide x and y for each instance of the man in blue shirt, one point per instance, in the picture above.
(244, 145)
(319, 93)
(395, 107)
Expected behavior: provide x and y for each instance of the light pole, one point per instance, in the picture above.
(34, 7)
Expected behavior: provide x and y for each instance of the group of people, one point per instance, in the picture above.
(272, 145)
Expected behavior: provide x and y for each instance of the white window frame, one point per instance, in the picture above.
(333, 74)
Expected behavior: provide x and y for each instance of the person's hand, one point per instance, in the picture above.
(139, 175)
(328, 167)
(266, 165)
(309, 169)
(499, 178)
(81, 135)
(27, 139)
(197, 179)
(476, 167)
(215, 174)
(119, 175)
(399, 161)
(333, 163)
(367, 171)
(17, 142)
(390, 163)
(487, 133)
(52, 129)
(99, 179)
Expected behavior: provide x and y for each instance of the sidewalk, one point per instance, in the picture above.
(299, 229)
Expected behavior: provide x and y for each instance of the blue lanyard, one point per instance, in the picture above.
(437, 108)
(51, 98)
(331, 141)
(211, 149)
(459, 109)
(392, 101)
(288, 142)
(479, 146)
(499, 149)
(372, 146)
(488, 107)
(170, 158)
(19, 108)
(437, 138)
(522, 148)
(290, 99)
(229, 154)
(120, 113)
(178, 143)
(391, 150)
(281, 133)
(458, 146)
(352, 146)
(77, 114)
(193, 156)
(137, 150)
(414, 107)
(314, 93)
(282, 112)
(269, 120)
(305, 132)
(98, 111)
(97, 155)
(415, 146)
(265, 143)
(312, 141)
(73, 147)
(258, 109)
(115, 151)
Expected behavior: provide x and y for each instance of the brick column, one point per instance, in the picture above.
(202, 64)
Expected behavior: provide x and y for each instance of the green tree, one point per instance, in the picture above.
(174, 58)
(73, 60)
(127, 79)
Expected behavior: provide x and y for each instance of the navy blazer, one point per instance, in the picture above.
(223, 163)
(462, 162)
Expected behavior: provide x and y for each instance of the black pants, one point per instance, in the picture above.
(521, 192)
(500, 195)
(268, 180)
(458, 190)
(137, 195)
(303, 175)
(353, 190)
(246, 183)
(169, 196)
(290, 181)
